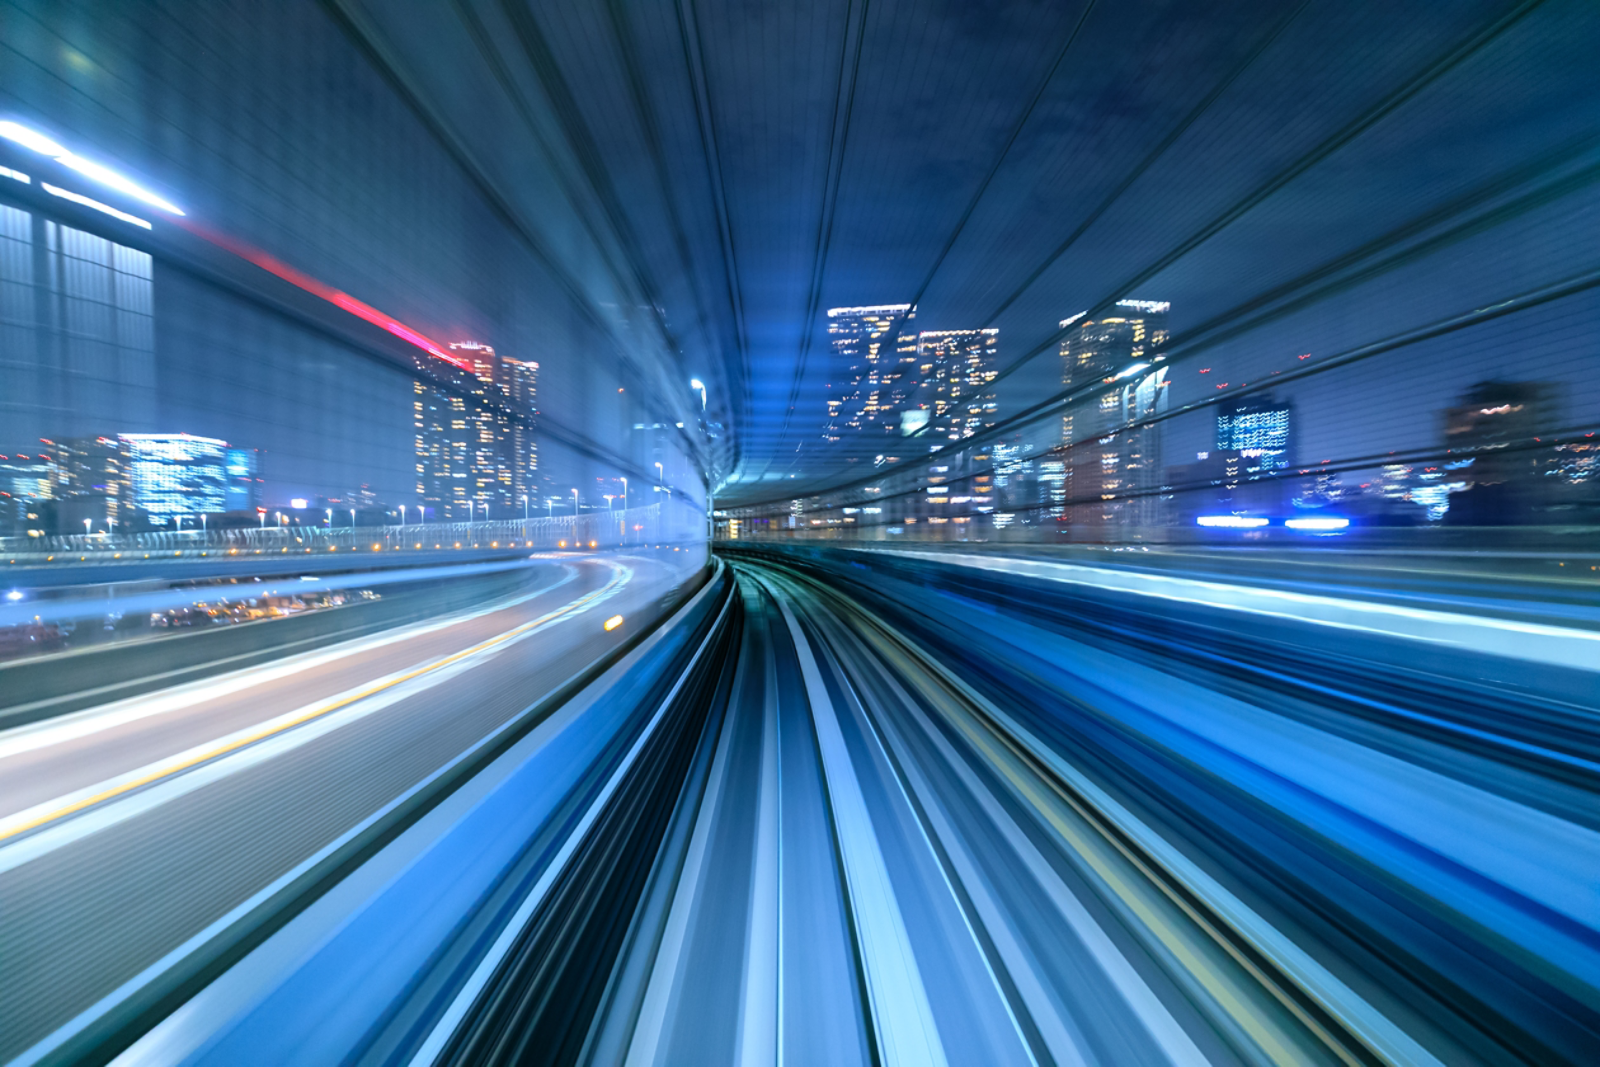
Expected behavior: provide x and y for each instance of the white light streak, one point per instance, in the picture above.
(27, 138)
(1231, 522)
(37, 141)
(79, 198)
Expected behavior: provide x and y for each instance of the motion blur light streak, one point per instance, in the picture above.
(19, 134)
(861, 534)
(79, 198)
(328, 293)
(1231, 522)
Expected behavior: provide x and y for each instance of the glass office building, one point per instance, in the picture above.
(177, 474)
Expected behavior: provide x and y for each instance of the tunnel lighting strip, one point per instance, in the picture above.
(38, 142)
(79, 198)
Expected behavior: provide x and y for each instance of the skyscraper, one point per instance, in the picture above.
(1260, 429)
(1106, 465)
(871, 388)
(958, 368)
(175, 474)
(244, 484)
(476, 454)
(1102, 348)
(1498, 432)
(95, 472)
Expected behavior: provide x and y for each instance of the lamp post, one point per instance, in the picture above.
(202, 524)
(624, 494)
(402, 515)
(609, 498)
(352, 518)
(86, 524)
(469, 512)
(330, 518)
(524, 507)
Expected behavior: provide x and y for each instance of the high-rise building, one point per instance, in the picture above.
(25, 482)
(1260, 429)
(243, 491)
(1494, 433)
(1109, 464)
(475, 448)
(960, 366)
(173, 474)
(872, 386)
(94, 473)
(78, 317)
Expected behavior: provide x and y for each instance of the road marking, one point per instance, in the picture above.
(61, 728)
(28, 820)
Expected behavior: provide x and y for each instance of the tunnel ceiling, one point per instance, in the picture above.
(752, 165)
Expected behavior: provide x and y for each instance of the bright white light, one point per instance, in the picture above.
(298, 502)
(79, 198)
(1317, 524)
(88, 168)
(15, 175)
(15, 594)
(30, 139)
(107, 176)
(1231, 522)
(1135, 369)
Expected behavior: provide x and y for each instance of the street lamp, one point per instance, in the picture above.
(469, 510)
(402, 514)
(352, 518)
(202, 523)
(524, 507)
(86, 524)
(624, 494)
(574, 502)
(330, 518)
(609, 498)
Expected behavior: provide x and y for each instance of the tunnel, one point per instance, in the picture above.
(800, 533)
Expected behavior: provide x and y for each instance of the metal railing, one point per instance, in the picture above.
(590, 529)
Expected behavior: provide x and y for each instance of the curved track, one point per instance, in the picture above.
(889, 809)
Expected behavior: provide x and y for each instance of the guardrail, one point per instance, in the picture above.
(594, 529)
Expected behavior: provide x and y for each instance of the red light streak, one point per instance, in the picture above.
(342, 300)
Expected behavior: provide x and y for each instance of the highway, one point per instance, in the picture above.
(130, 830)
(851, 807)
